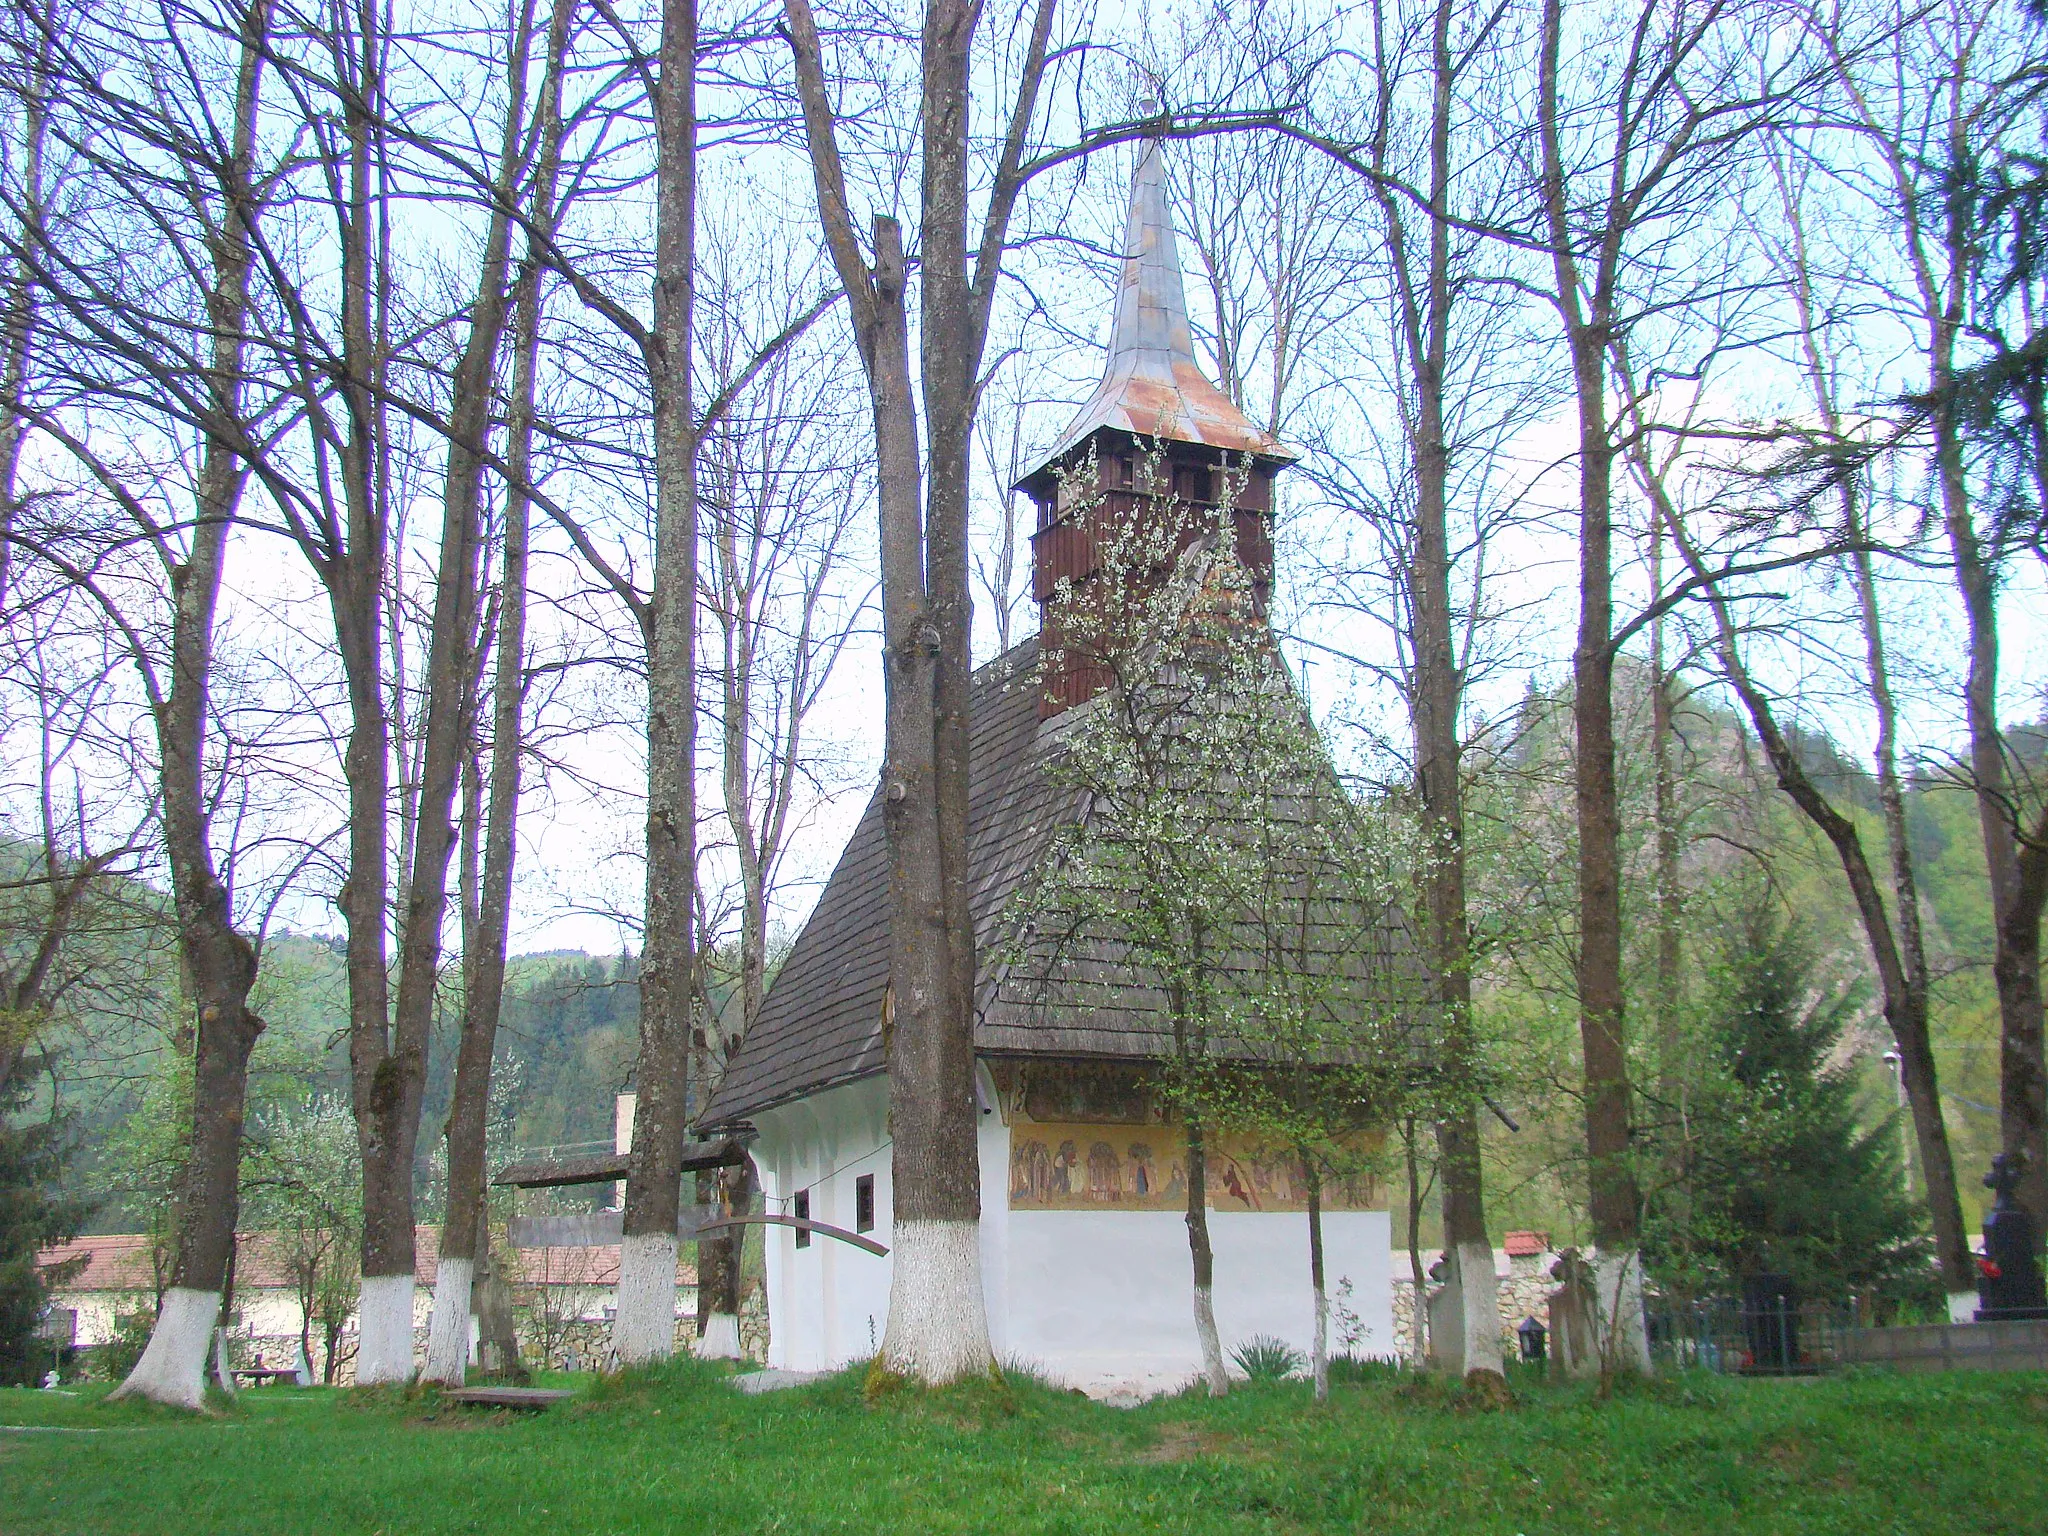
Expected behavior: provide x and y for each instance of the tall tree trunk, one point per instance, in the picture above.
(731, 1189)
(1435, 695)
(1589, 318)
(485, 944)
(1911, 1029)
(938, 1326)
(645, 1324)
(1204, 1258)
(1671, 1077)
(399, 1077)
(355, 584)
(1905, 1005)
(1319, 1347)
(18, 305)
(219, 963)
(1906, 993)
(2016, 963)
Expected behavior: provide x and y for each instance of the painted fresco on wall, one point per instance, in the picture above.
(1080, 1166)
(1078, 1093)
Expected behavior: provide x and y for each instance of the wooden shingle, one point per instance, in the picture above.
(821, 1023)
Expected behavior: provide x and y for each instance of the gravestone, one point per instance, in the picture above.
(2009, 1284)
(1446, 1311)
(490, 1301)
(1574, 1317)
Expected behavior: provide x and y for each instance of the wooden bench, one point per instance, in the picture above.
(263, 1375)
(508, 1397)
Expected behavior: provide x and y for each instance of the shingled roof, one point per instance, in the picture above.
(821, 1024)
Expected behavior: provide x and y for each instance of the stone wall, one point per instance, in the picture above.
(754, 1323)
(1525, 1287)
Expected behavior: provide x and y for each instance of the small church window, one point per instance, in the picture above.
(1191, 482)
(864, 1203)
(800, 1208)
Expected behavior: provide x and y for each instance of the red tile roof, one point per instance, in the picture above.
(126, 1261)
(1522, 1245)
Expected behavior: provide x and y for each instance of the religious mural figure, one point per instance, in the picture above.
(1232, 1179)
(1105, 1173)
(1030, 1173)
(1176, 1179)
(1063, 1168)
(1144, 1182)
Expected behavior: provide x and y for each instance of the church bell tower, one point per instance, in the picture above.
(1164, 443)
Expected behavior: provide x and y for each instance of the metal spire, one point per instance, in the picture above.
(1152, 386)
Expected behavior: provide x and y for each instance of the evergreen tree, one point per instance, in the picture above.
(1776, 1170)
(32, 1217)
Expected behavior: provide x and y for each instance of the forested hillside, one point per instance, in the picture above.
(1741, 843)
(116, 1064)
(569, 1030)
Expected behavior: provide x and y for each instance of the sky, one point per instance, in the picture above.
(579, 875)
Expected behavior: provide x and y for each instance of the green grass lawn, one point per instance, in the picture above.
(680, 1451)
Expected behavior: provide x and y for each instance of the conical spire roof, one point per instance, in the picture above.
(1152, 386)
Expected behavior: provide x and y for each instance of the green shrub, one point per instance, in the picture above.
(1265, 1358)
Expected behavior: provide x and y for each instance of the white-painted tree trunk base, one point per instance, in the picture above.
(1319, 1350)
(1479, 1309)
(938, 1323)
(1212, 1342)
(384, 1331)
(448, 1332)
(644, 1326)
(1618, 1296)
(721, 1337)
(1962, 1306)
(172, 1369)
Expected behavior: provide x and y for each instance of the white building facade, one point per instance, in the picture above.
(1097, 1299)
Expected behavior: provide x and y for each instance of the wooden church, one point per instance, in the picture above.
(1085, 1258)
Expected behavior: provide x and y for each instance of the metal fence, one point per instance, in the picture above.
(1772, 1338)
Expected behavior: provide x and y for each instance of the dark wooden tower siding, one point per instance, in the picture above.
(1079, 514)
(1156, 441)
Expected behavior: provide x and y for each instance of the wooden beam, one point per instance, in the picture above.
(507, 1397)
(608, 1167)
(801, 1225)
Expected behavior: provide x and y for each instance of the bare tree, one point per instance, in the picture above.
(487, 918)
(937, 1329)
(1631, 151)
(213, 160)
(1425, 284)
(645, 1324)
(29, 67)
(1944, 89)
(1456, 400)
(1897, 941)
(779, 488)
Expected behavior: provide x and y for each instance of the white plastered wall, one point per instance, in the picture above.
(827, 1302)
(1104, 1299)
(1095, 1299)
